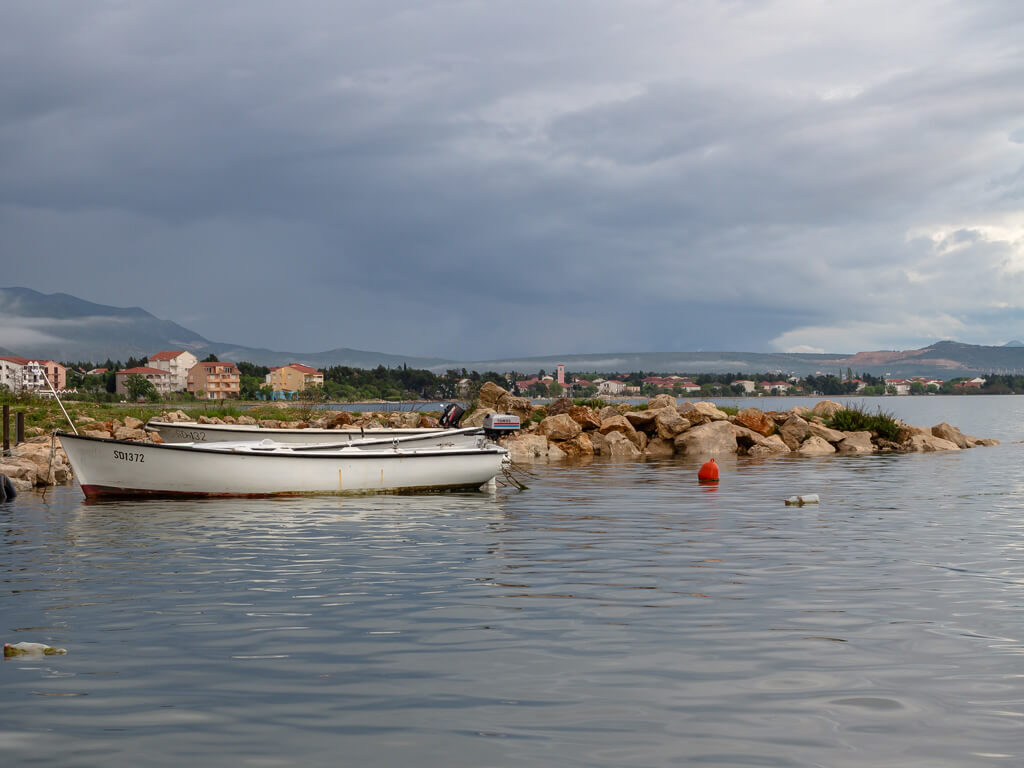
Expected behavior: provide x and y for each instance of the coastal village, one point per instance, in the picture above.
(170, 372)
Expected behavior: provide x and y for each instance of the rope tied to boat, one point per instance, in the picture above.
(510, 470)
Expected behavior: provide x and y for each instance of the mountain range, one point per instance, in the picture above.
(62, 327)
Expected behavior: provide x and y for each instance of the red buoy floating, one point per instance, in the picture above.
(708, 472)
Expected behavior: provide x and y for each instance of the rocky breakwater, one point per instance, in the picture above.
(39, 461)
(664, 428)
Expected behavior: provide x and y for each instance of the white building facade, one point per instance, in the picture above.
(177, 363)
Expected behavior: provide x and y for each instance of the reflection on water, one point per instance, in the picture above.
(615, 614)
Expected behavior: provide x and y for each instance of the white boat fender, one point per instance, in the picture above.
(7, 489)
(799, 501)
(31, 649)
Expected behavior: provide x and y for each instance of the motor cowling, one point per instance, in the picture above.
(498, 424)
(451, 415)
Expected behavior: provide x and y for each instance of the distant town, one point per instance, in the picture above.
(175, 375)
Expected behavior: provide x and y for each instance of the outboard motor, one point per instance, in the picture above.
(498, 424)
(451, 414)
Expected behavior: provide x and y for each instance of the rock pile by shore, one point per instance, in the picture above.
(667, 428)
(39, 461)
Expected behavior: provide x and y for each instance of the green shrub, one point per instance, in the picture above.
(730, 410)
(592, 402)
(857, 419)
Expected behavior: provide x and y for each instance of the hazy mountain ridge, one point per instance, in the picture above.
(63, 327)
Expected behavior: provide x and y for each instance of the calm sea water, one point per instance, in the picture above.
(615, 614)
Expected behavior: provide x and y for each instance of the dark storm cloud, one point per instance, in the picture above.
(477, 180)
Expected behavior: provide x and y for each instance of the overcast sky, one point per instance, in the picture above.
(483, 178)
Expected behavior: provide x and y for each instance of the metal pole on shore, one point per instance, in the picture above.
(19, 427)
(7, 429)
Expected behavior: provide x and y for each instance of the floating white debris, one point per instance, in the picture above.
(31, 649)
(799, 501)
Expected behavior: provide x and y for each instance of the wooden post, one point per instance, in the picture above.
(7, 428)
(19, 427)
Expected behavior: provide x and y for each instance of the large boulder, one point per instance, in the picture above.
(126, 433)
(929, 443)
(517, 406)
(660, 448)
(816, 446)
(132, 423)
(702, 411)
(826, 409)
(793, 431)
(642, 420)
(600, 443)
(607, 412)
(476, 418)
(620, 423)
(489, 395)
(855, 443)
(526, 448)
(745, 438)
(342, 419)
(668, 423)
(585, 417)
(661, 401)
(579, 447)
(621, 447)
(951, 433)
(756, 420)
(560, 427)
(555, 453)
(829, 435)
(716, 438)
(772, 445)
(559, 405)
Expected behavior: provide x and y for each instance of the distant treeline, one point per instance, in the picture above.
(347, 384)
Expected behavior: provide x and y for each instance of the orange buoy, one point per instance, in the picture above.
(708, 472)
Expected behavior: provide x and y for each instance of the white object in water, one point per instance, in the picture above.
(799, 501)
(31, 649)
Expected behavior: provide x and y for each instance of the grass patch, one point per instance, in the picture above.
(729, 410)
(219, 412)
(592, 402)
(857, 419)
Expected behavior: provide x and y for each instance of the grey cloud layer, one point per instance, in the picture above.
(484, 179)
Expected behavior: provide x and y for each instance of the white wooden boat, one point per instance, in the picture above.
(193, 432)
(107, 467)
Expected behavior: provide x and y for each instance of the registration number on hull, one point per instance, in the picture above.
(129, 456)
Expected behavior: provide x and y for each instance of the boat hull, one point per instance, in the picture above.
(108, 468)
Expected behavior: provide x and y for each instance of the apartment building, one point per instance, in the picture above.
(214, 381)
(294, 377)
(160, 379)
(177, 362)
(20, 374)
